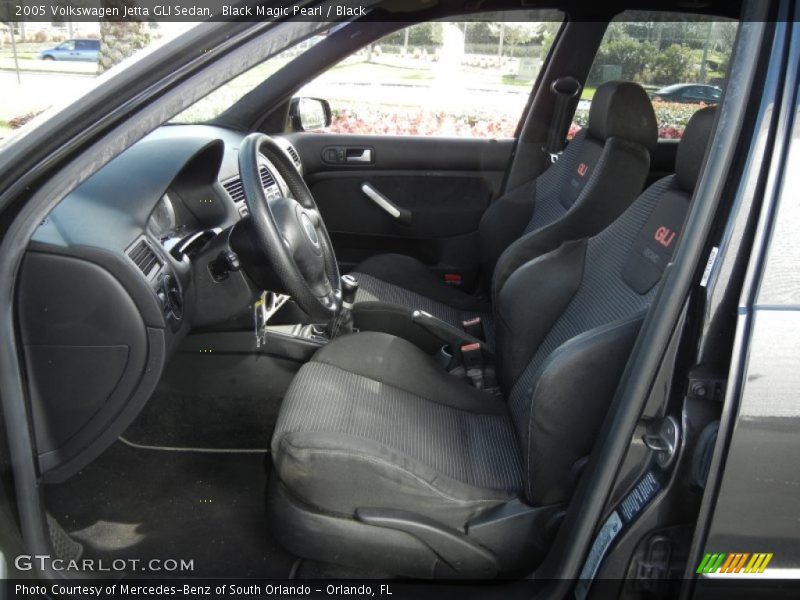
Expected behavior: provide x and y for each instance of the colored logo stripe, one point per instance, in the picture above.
(734, 562)
(758, 563)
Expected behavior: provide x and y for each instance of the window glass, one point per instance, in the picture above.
(226, 95)
(467, 79)
(680, 59)
(51, 72)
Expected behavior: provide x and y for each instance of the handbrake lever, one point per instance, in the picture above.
(470, 356)
(449, 335)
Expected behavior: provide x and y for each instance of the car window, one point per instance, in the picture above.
(51, 73)
(693, 93)
(678, 58)
(226, 95)
(467, 79)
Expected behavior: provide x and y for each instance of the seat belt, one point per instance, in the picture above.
(478, 370)
(567, 91)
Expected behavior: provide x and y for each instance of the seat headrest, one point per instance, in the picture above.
(622, 109)
(692, 147)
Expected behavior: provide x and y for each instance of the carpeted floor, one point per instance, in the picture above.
(222, 401)
(140, 503)
(187, 481)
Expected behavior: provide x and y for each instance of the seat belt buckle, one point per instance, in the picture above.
(552, 156)
(474, 328)
(453, 279)
(472, 357)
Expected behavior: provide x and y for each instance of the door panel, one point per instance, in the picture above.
(443, 184)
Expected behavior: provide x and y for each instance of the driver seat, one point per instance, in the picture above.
(385, 460)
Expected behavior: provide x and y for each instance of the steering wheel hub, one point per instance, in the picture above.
(311, 231)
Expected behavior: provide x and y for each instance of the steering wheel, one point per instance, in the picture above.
(290, 232)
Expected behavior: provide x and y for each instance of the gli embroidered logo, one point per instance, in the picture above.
(582, 168)
(664, 236)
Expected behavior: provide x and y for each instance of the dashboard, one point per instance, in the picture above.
(119, 272)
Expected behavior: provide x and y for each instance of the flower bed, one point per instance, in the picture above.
(377, 120)
(672, 118)
(380, 121)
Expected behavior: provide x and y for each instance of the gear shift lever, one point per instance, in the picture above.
(343, 322)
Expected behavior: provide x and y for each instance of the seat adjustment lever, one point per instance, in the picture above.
(465, 557)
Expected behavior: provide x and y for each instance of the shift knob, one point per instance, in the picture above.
(349, 289)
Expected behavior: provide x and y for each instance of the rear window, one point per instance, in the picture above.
(681, 60)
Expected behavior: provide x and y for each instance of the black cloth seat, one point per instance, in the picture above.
(599, 174)
(449, 447)
(384, 459)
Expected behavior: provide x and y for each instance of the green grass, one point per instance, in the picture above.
(5, 131)
(20, 55)
(514, 80)
(420, 75)
(379, 72)
(26, 50)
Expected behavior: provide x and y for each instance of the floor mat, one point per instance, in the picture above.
(213, 402)
(148, 504)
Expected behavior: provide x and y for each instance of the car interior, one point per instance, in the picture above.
(287, 352)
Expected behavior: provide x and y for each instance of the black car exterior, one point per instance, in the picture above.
(689, 93)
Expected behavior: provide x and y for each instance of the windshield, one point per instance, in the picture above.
(228, 94)
(43, 65)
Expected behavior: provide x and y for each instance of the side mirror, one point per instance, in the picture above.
(309, 114)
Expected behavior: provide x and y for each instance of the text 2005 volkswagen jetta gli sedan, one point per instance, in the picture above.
(270, 316)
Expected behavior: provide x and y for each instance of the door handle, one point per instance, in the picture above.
(401, 214)
(353, 155)
(358, 155)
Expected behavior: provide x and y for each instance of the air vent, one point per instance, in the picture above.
(295, 156)
(234, 189)
(145, 258)
(267, 181)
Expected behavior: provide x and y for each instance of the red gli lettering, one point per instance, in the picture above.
(664, 236)
(582, 168)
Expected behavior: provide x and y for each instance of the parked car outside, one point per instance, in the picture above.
(83, 50)
(689, 93)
